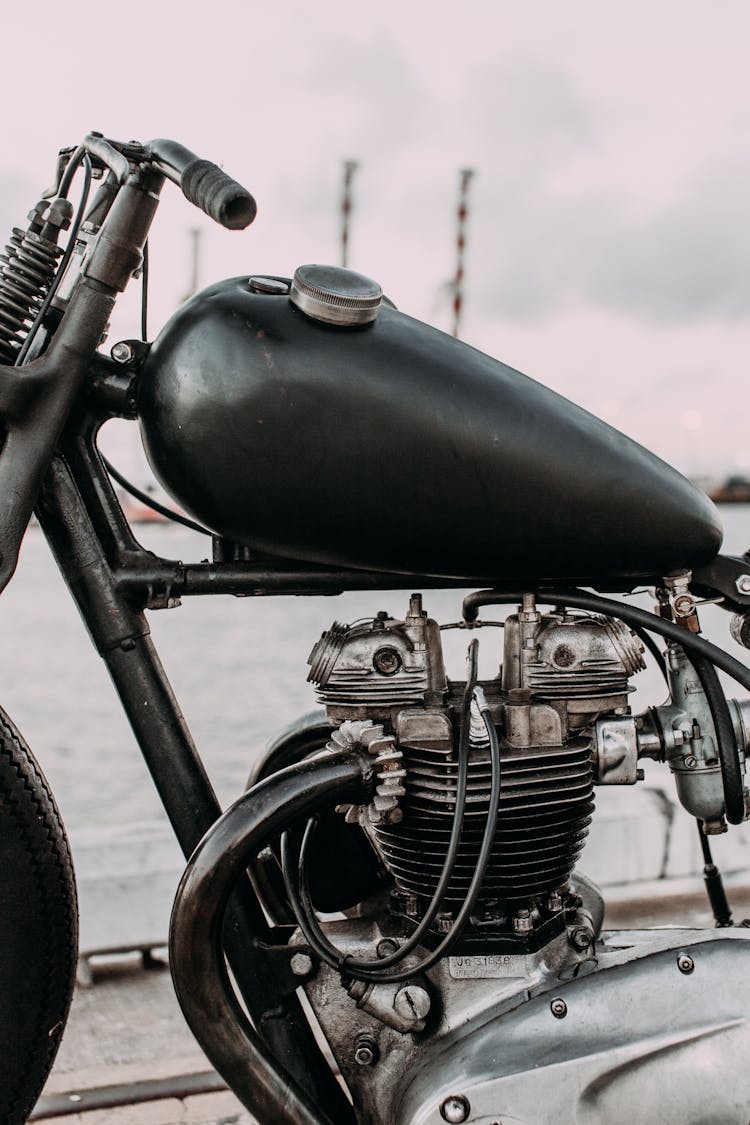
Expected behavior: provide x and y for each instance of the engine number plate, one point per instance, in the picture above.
(491, 966)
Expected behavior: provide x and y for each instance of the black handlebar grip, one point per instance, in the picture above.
(221, 197)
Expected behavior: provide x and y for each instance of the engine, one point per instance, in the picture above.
(466, 1028)
(383, 682)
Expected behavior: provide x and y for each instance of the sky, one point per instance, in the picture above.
(608, 236)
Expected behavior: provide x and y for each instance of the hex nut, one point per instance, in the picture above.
(455, 1109)
(743, 584)
(122, 352)
(301, 964)
(580, 937)
(365, 1050)
(559, 1008)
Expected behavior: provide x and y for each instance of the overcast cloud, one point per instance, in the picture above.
(608, 251)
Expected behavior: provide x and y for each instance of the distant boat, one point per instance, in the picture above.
(734, 490)
(137, 512)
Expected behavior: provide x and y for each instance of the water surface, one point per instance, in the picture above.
(238, 667)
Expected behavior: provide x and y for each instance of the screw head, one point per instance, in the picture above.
(559, 1008)
(412, 1002)
(301, 964)
(455, 1109)
(743, 584)
(685, 963)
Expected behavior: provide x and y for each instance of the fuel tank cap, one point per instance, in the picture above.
(335, 295)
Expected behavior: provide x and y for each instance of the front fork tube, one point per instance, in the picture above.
(121, 636)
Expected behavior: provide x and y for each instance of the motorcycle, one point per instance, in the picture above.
(389, 924)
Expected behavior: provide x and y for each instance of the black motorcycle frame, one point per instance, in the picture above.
(53, 408)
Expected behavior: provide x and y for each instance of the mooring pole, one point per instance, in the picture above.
(350, 167)
(465, 176)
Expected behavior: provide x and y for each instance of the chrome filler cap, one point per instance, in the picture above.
(335, 295)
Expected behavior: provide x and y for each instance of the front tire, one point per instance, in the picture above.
(38, 927)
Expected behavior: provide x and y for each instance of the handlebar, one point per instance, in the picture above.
(37, 394)
(204, 184)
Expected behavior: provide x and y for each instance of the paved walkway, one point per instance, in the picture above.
(126, 1031)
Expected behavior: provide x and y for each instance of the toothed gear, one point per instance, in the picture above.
(383, 809)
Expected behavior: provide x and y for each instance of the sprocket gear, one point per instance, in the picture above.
(383, 809)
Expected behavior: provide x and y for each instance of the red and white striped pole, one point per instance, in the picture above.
(350, 167)
(465, 176)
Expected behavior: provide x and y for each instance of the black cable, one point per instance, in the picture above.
(655, 651)
(731, 772)
(289, 861)
(726, 740)
(699, 647)
(144, 293)
(714, 884)
(299, 895)
(70, 170)
(632, 615)
(149, 501)
(705, 846)
(144, 497)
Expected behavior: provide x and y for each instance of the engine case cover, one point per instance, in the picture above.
(395, 447)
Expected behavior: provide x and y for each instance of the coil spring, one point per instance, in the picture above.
(27, 267)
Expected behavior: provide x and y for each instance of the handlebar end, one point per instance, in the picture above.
(222, 198)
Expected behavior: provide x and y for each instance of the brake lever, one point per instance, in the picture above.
(101, 150)
(103, 154)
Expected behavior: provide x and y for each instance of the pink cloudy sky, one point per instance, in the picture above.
(609, 238)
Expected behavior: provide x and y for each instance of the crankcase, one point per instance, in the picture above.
(657, 1030)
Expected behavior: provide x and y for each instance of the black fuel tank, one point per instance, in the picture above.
(395, 447)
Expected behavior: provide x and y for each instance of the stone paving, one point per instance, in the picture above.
(127, 1028)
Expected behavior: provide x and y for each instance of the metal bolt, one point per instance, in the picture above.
(523, 923)
(411, 906)
(301, 964)
(684, 605)
(743, 584)
(559, 1008)
(455, 1109)
(444, 922)
(580, 938)
(685, 963)
(122, 352)
(412, 1002)
(690, 761)
(365, 1050)
(386, 946)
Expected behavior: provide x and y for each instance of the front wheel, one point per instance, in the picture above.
(38, 927)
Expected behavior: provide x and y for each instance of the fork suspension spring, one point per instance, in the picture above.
(27, 267)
